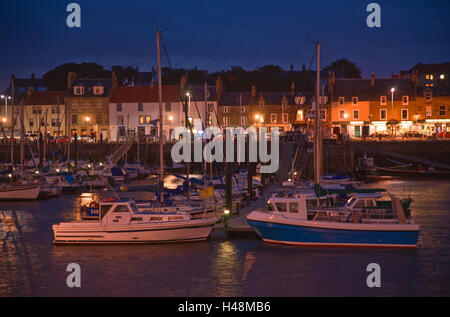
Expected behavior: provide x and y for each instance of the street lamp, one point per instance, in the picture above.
(392, 101)
(6, 103)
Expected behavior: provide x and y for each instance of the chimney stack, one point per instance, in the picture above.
(152, 84)
(372, 79)
(70, 79)
(30, 91)
(115, 81)
(292, 89)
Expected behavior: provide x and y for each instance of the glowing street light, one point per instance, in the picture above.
(87, 119)
(392, 101)
(6, 103)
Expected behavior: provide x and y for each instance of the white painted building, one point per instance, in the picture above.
(135, 110)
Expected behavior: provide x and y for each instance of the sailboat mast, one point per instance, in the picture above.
(317, 138)
(161, 141)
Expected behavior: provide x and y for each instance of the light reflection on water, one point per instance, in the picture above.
(30, 265)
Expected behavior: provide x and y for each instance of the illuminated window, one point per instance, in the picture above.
(226, 120)
(99, 90)
(300, 115)
(226, 109)
(431, 77)
(273, 118)
(428, 111)
(427, 76)
(341, 115)
(285, 118)
(442, 76)
(442, 110)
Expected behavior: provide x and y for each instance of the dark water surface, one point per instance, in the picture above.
(31, 266)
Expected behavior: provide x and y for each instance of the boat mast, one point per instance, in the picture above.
(161, 141)
(317, 138)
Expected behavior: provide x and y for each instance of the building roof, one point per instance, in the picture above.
(89, 84)
(198, 93)
(362, 88)
(270, 98)
(52, 97)
(432, 68)
(145, 94)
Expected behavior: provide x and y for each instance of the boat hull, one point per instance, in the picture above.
(79, 233)
(322, 234)
(23, 193)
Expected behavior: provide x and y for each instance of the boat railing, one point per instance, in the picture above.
(354, 216)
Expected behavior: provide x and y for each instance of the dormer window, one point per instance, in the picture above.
(355, 101)
(99, 90)
(78, 90)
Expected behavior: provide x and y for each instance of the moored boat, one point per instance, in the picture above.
(19, 192)
(120, 221)
(289, 223)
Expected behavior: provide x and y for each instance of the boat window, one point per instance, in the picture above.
(370, 203)
(155, 218)
(121, 208)
(293, 207)
(172, 218)
(281, 207)
(104, 210)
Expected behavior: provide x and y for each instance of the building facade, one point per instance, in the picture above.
(87, 110)
(44, 111)
(134, 110)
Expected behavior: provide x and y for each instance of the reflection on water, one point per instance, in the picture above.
(30, 265)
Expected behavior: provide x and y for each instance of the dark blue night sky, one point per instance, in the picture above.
(215, 35)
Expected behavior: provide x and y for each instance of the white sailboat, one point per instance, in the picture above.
(19, 192)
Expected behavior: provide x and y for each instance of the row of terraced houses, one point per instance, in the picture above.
(415, 100)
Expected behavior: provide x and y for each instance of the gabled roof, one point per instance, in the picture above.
(198, 93)
(270, 98)
(52, 97)
(89, 84)
(135, 94)
(432, 68)
(362, 88)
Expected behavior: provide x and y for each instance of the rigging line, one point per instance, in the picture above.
(304, 87)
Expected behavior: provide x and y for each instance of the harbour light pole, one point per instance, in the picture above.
(6, 103)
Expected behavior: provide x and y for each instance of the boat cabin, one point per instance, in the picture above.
(110, 211)
(363, 200)
(292, 206)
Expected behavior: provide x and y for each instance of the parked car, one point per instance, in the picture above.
(443, 135)
(380, 135)
(412, 134)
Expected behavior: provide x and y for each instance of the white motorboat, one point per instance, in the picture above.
(19, 192)
(120, 221)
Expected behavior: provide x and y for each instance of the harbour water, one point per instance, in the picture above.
(31, 266)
